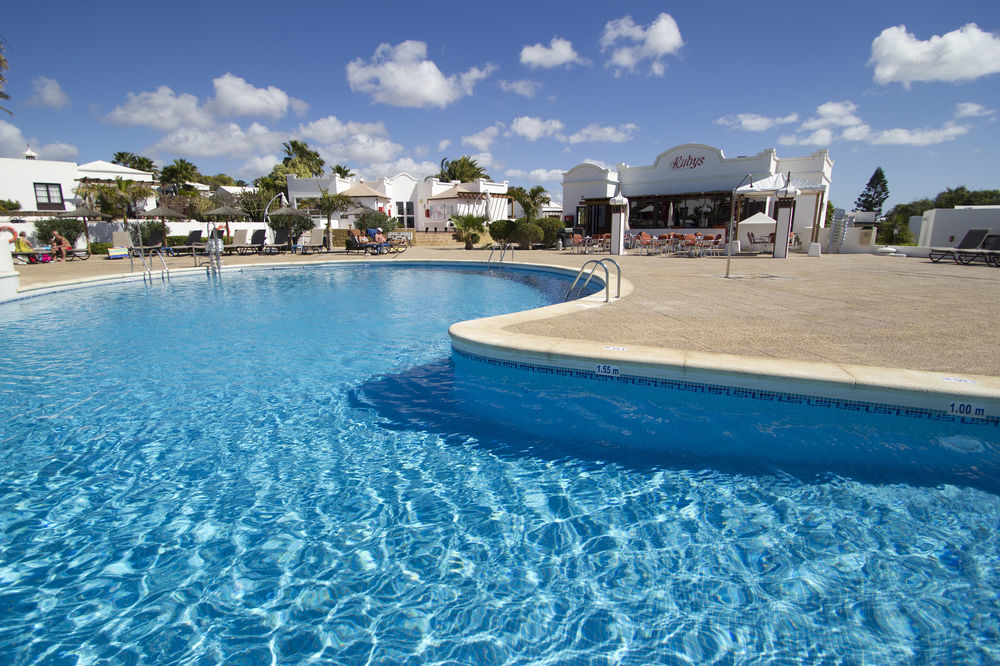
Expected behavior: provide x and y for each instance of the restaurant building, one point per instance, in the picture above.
(694, 186)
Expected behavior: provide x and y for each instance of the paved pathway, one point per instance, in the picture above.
(855, 309)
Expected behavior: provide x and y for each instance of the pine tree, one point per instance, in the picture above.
(874, 194)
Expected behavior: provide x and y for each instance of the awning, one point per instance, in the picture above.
(768, 186)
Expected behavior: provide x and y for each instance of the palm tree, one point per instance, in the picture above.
(180, 173)
(468, 228)
(342, 171)
(328, 204)
(299, 153)
(464, 169)
(133, 161)
(531, 200)
(116, 199)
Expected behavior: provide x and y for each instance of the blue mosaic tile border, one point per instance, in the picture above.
(737, 392)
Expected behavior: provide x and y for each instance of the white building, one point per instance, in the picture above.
(945, 227)
(692, 186)
(418, 205)
(44, 187)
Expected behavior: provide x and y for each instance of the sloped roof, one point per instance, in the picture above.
(111, 167)
(457, 191)
(364, 190)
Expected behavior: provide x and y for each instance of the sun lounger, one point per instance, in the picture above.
(155, 243)
(972, 241)
(241, 246)
(988, 251)
(316, 242)
(191, 243)
(280, 243)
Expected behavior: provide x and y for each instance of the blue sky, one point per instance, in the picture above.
(529, 89)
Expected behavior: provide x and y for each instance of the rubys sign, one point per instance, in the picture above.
(689, 162)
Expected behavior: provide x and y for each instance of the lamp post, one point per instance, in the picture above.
(732, 220)
(618, 205)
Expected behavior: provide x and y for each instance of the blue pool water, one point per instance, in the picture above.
(281, 466)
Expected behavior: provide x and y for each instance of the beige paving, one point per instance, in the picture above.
(845, 309)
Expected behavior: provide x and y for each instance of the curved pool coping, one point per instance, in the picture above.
(491, 339)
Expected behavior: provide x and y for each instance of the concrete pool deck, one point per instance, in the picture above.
(872, 317)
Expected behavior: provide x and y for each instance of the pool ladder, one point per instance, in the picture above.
(503, 251)
(147, 266)
(590, 275)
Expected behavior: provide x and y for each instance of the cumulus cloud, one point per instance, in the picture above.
(443, 144)
(366, 148)
(160, 109)
(821, 137)
(595, 132)
(330, 129)
(227, 139)
(537, 175)
(920, 137)
(523, 87)
(532, 128)
(47, 92)
(753, 122)
(402, 75)
(972, 110)
(559, 52)
(830, 114)
(631, 44)
(418, 170)
(484, 139)
(13, 144)
(235, 97)
(960, 55)
(257, 166)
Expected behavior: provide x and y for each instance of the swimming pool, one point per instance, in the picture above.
(291, 464)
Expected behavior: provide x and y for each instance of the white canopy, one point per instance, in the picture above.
(772, 184)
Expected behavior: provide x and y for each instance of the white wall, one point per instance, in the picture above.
(945, 227)
(18, 176)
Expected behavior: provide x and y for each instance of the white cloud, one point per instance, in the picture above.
(631, 44)
(856, 133)
(402, 76)
(830, 114)
(330, 129)
(960, 55)
(484, 139)
(13, 144)
(523, 87)
(559, 52)
(753, 122)
(821, 137)
(418, 170)
(532, 128)
(160, 109)
(235, 97)
(257, 166)
(367, 148)
(972, 110)
(47, 93)
(921, 137)
(537, 175)
(595, 132)
(59, 150)
(443, 144)
(228, 139)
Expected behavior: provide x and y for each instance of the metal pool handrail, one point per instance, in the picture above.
(607, 278)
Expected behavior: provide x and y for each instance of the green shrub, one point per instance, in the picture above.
(550, 228)
(502, 230)
(97, 249)
(528, 233)
(70, 228)
(10, 205)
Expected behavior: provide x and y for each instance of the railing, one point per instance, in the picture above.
(147, 268)
(607, 278)
(503, 251)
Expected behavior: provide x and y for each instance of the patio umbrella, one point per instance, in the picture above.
(84, 211)
(163, 213)
(229, 212)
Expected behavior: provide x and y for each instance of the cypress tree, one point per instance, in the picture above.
(874, 194)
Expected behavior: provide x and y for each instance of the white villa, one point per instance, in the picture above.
(418, 205)
(693, 185)
(48, 187)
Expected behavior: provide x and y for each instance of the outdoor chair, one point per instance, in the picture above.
(193, 239)
(973, 240)
(255, 246)
(317, 241)
(280, 243)
(155, 243)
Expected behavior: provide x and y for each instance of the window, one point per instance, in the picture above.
(404, 211)
(48, 196)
